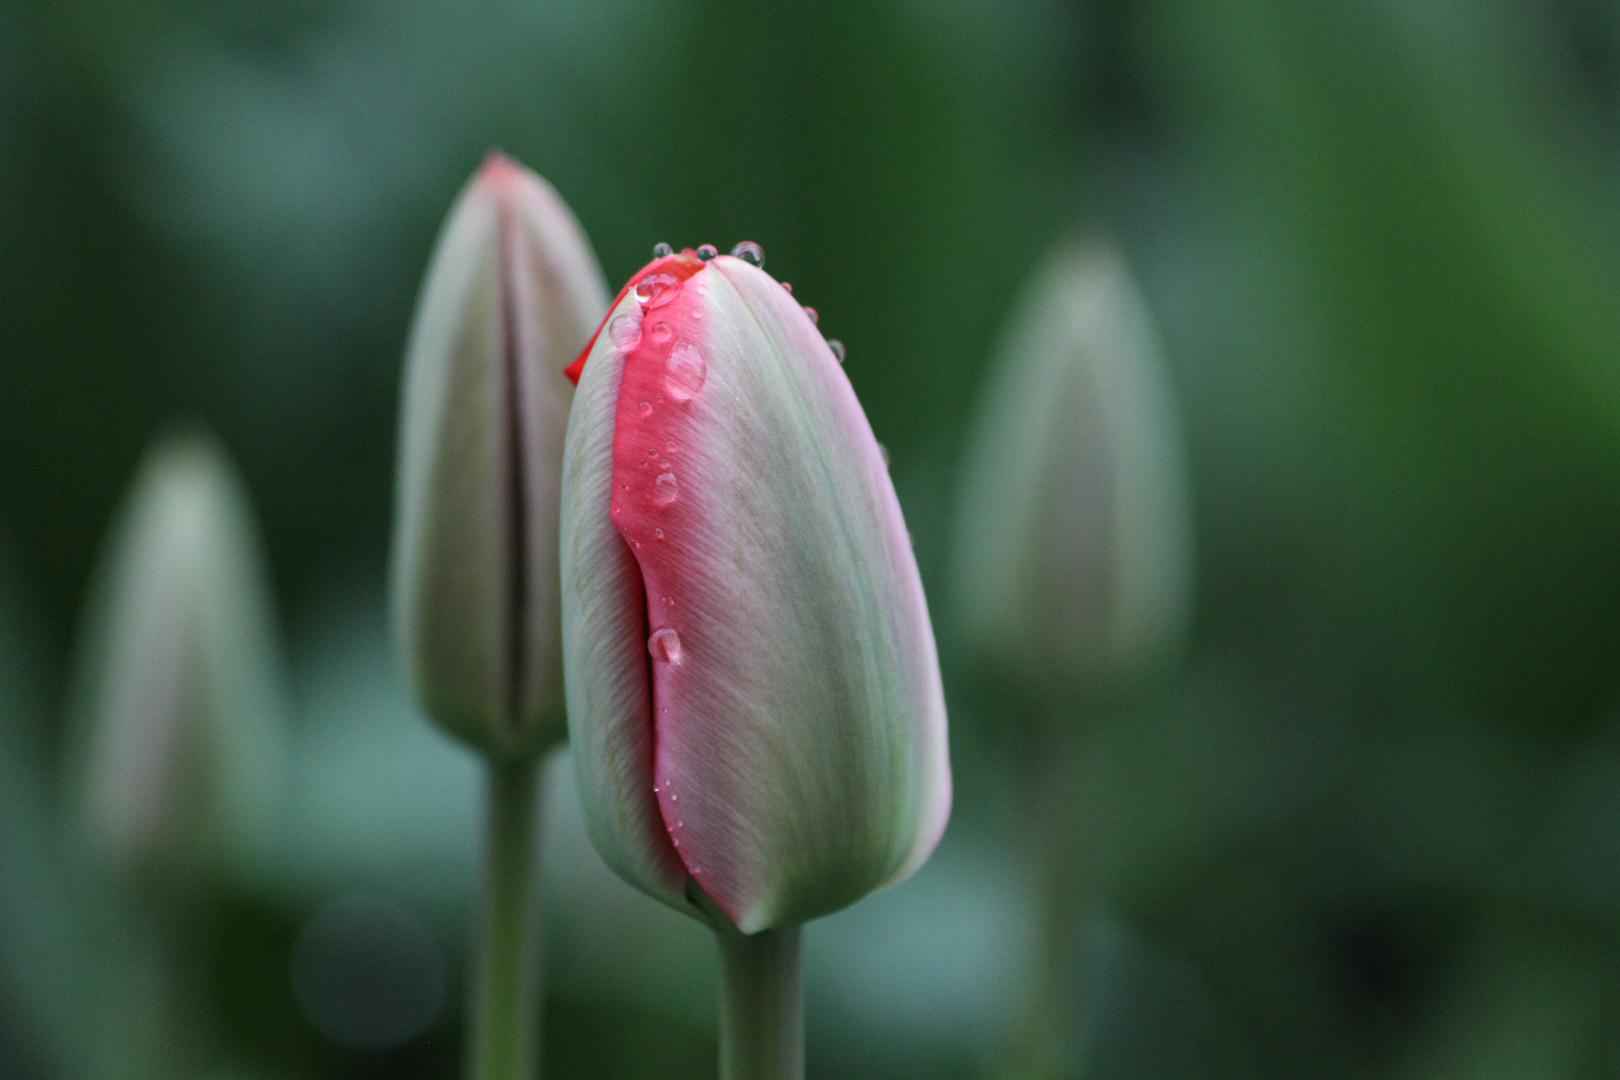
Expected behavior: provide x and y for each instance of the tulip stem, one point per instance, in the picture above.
(504, 1025)
(761, 1005)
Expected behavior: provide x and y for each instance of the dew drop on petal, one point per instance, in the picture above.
(707, 252)
(810, 311)
(660, 333)
(686, 372)
(837, 348)
(749, 252)
(658, 534)
(656, 290)
(625, 332)
(788, 285)
(665, 647)
(661, 251)
(884, 450)
(645, 408)
(670, 445)
(665, 489)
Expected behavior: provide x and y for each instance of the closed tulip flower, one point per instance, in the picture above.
(1074, 548)
(179, 756)
(1073, 567)
(512, 293)
(753, 692)
(182, 755)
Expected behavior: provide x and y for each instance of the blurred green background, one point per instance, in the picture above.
(1369, 827)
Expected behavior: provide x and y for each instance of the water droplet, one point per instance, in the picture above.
(707, 252)
(625, 332)
(659, 398)
(810, 311)
(788, 285)
(749, 252)
(674, 797)
(687, 371)
(656, 290)
(837, 348)
(665, 489)
(670, 445)
(658, 534)
(661, 251)
(636, 544)
(884, 450)
(665, 646)
(660, 332)
(645, 408)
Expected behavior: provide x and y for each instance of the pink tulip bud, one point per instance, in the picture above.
(753, 692)
(512, 293)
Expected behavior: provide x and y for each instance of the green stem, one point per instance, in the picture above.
(761, 1006)
(504, 1027)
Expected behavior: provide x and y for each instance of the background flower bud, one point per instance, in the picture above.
(1073, 553)
(512, 293)
(182, 753)
(727, 511)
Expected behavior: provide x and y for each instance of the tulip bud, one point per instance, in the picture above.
(183, 753)
(753, 693)
(512, 293)
(1073, 546)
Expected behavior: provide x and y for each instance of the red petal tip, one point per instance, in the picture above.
(682, 264)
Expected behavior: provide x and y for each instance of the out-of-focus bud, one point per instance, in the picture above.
(1073, 554)
(754, 696)
(183, 752)
(511, 295)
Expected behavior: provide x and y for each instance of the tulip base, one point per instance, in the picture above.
(761, 1005)
(503, 1040)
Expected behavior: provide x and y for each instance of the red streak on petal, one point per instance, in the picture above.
(654, 505)
(683, 265)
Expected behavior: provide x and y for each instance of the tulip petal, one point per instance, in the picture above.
(604, 619)
(799, 737)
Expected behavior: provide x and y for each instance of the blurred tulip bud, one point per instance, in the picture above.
(512, 293)
(1073, 555)
(183, 755)
(727, 513)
